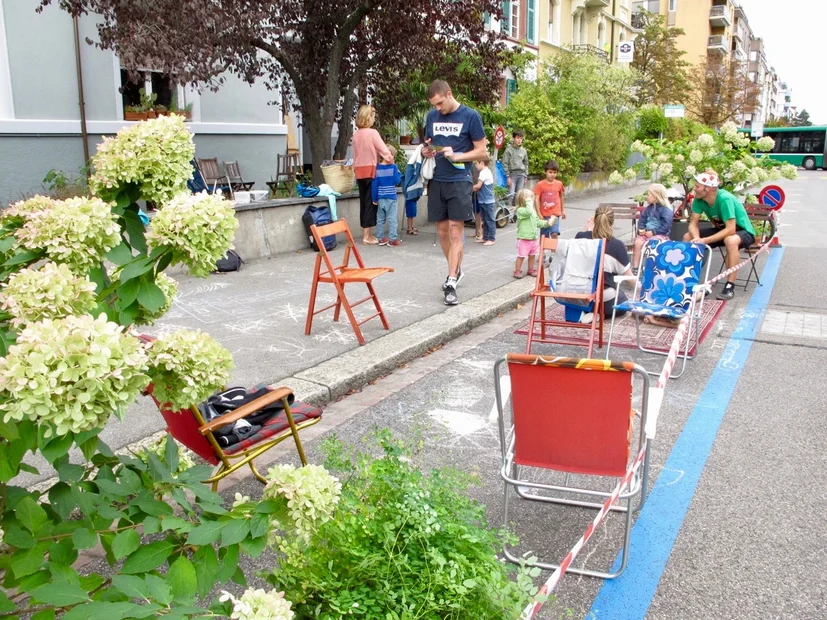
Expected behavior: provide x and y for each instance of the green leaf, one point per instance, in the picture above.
(60, 498)
(269, 506)
(254, 547)
(159, 589)
(206, 568)
(235, 531)
(25, 256)
(206, 533)
(128, 292)
(89, 447)
(183, 581)
(170, 447)
(63, 553)
(147, 558)
(112, 488)
(125, 543)
(60, 593)
(87, 502)
(151, 297)
(135, 228)
(8, 430)
(147, 610)
(101, 610)
(11, 456)
(228, 563)
(121, 254)
(158, 470)
(71, 473)
(46, 614)
(259, 525)
(153, 506)
(31, 515)
(136, 268)
(5, 604)
(239, 577)
(132, 586)
(152, 525)
(84, 539)
(28, 561)
(57, 447)
(130, 481)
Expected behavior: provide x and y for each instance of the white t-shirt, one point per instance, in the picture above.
(485, 194)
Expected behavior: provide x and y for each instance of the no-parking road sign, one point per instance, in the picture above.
(772, 196)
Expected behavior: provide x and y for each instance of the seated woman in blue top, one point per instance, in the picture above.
(655, 222)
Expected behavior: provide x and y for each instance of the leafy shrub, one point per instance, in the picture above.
(400, 544)
(651, 123)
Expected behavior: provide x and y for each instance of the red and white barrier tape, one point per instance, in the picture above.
(663, 379)
(534, 607)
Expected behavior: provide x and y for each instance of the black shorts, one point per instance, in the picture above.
(707, 230)
(450, 201)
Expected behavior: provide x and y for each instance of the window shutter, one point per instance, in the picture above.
(530, 21)
(486, 19)
(505, 27)
(510, 89)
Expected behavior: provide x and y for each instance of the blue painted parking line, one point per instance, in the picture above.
(628, 597)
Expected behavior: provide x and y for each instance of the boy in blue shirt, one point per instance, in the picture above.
(384, 195)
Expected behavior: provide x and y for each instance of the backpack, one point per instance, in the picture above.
(231, 399)
(318, 215)
(231, 262)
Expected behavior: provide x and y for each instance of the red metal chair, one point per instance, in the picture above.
(541, 292)
(582, 425)
(339, 275)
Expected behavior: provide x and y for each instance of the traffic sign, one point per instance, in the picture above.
(499, 137)
(771, 196)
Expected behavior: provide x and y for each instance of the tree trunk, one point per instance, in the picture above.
(345, 125)
(319, 133)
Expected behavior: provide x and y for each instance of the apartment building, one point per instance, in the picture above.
(594, 26)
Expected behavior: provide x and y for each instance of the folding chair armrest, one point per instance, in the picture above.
(702, 287)
(245, 410)
(621, 279)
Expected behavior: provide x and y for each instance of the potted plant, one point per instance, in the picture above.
(161, 110)
(186, 111)
(134, 113)
(148, 103)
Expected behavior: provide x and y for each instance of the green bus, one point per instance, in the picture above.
(799, 146)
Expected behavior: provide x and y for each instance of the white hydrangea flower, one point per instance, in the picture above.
(186, 367)
(630, 174)
(77, 231)
(665, 169)
(653, 167)
(637, 146)
(198, 227)
(241, 499)
(696, 156)
(753, 178)
(258, 604)
(751, 199)
(710, 153)
(691, 170)
(23, 209)
(749, 161)
(762, 175)
(647, 150)
(663, 157)
(154, 154)
(50, 292)
(705, 140)
(727, 146)
(773, 174)
(788, 171)
(311, 493)
(71, 374)
(679, 157)
(741, 140)
(765, 144)
(615, 178)
(737, 168)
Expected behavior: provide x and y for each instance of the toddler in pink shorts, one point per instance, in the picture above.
(529, 224)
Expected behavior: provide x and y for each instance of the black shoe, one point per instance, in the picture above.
(451, 293)
(727, 293)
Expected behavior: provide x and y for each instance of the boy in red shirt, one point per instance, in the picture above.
(549, 199)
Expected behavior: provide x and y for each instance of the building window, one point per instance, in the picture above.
(554, 22)
(152, 83)
(514, 20)
(673, 5)
(531, 21)
(510, 89)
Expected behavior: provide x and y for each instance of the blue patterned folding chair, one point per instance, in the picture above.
(669, 284)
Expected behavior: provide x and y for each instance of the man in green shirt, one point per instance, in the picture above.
(728, 225)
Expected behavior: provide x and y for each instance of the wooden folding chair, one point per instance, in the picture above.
(583, 428)
(211, 173)
(234, 178)
(339, 275)
(288, 169)
(542, 292)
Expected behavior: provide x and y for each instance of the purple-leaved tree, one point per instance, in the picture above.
(324, 52)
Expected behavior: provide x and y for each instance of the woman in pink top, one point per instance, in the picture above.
(367, 146)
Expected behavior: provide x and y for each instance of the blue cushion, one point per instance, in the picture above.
(647, 309)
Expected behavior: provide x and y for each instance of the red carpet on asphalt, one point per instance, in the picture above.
(651, 336)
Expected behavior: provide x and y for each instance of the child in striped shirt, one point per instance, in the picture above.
(384, 195)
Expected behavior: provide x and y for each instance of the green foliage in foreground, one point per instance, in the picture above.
(402, 544)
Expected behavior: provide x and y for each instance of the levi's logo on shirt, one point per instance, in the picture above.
(447, 129)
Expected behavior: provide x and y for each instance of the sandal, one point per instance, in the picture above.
(532, 273)
(518, 274)
(373, 241)
(413, 231)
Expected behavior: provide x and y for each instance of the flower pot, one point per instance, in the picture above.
(150, 113)
(134, 116)
(404, 139)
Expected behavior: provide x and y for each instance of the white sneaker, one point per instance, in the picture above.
(587, 317)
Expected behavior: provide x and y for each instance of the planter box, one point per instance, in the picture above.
(134, 116)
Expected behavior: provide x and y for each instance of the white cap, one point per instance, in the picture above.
(710, 179)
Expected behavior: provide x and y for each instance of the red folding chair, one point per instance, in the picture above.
(583, 426)
(593, 302)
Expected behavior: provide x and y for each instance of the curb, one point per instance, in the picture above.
(334, 378)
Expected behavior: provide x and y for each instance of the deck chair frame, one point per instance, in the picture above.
(549, 411)
(542, 292)
(695, 311)
(234, 178)
(211, 174)
(340, 275)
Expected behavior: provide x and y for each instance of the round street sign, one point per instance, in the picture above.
(499, 137)
(771, 196)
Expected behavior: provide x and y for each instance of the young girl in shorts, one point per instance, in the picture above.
(528, 232)
(655, 221)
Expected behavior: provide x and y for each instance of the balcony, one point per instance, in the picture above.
(739, 54)
(638, 23)
(717, 43)
(719, 16)
(596, 4)
(736, 34)
(585, 48)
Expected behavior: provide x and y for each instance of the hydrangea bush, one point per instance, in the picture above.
(740, 162)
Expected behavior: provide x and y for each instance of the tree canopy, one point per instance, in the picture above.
(662, 70)
(324, 53)
(723, 91)
(802, 119)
